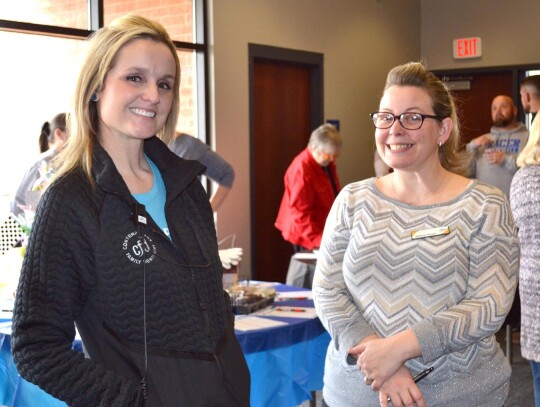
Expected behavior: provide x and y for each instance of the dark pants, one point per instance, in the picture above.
(298, 249)
(299, 273)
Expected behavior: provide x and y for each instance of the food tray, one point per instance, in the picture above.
(248, 308)
(245, 300)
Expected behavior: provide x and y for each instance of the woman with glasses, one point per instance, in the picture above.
(417, 269)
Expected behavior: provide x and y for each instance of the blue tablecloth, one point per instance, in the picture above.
(286, 364)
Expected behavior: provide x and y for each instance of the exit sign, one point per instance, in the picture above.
(467, 48)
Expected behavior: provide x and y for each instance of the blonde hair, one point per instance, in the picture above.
(530, 155)
(100, 57)
(452, 157)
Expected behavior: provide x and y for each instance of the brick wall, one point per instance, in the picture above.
(177, 17)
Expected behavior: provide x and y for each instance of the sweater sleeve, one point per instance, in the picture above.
(55, 281)
(19, 199)
(335, 307)
(509, 162)
(493, 266)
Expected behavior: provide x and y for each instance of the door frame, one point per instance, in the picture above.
(517, 71)
(311, 60)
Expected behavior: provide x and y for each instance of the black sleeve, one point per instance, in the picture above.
(53, 286)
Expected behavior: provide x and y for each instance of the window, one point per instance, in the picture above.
(67, 13)
(35, 87)
(44, 40)
(175, 15)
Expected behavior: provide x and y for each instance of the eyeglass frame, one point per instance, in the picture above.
(328, 156)
(398, 117)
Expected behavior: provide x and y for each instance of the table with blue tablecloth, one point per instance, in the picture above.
(286, 362)
(14, 390)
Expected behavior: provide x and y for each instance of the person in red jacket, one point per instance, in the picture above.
(311, 185)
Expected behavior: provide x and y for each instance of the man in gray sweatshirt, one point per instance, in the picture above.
(495, 152)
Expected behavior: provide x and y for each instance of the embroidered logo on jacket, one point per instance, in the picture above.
(139, 248)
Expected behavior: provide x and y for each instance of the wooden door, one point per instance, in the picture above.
(281, 129)
(474, 104)
(286, 106)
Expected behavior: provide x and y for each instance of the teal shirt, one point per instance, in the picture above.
(154, 200)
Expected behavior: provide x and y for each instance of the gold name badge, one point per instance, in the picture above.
(420, 234)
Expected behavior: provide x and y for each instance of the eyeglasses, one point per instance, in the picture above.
(328, 156)
(409, 121)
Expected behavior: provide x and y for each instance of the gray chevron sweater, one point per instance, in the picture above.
(452, 290)
(525, 200)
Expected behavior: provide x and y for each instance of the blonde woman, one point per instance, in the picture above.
(124, 247)
(525, 201)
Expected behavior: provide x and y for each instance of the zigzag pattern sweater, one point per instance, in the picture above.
(525, 200)
(452, 290)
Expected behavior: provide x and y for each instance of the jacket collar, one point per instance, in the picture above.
(309, 157)
(177, 173)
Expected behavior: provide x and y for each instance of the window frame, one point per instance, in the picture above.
(96, 21)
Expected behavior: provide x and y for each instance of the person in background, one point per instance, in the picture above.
(311, 185)
(46, 137)
(530, 94)
(525, 202)
(495, 153)
(124, 247)
(217, 169)
(52, 140)
(417, 269)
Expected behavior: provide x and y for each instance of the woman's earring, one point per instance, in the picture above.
(440, 143)
(94, 98)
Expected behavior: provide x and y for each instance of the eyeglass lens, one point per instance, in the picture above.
(410, 121)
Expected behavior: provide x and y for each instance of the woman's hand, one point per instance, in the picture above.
(378, 359)
(402, 390)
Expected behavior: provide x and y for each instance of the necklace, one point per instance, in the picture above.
(424, 198)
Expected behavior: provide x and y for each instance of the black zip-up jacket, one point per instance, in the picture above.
(92, 260)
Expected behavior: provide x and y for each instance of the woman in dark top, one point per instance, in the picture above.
(124, 247)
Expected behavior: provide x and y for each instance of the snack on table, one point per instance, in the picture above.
(247, 299)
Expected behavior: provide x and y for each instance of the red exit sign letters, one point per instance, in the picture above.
(467, 48)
